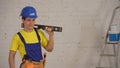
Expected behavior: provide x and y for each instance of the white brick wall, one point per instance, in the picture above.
(82, 21)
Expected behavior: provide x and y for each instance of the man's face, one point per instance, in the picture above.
(29, 23)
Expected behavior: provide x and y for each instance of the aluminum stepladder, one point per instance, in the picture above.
(116, 46)
(115, 55)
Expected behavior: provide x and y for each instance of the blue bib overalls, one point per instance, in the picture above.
(33, 50)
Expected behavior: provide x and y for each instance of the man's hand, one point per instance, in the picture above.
(49, 31)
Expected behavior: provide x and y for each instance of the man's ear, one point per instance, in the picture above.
(22, 25)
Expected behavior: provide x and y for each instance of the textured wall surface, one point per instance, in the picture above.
(78, 46)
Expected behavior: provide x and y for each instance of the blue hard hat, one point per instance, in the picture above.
(29, 12)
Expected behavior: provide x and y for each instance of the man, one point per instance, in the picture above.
(29, 41)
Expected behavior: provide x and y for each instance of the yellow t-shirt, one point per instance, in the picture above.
(29, 37)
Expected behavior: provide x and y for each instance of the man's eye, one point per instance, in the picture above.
(33, 19)
(28, 20)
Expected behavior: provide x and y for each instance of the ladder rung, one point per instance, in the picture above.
(107, 55)
(111, 42)
(104, 67)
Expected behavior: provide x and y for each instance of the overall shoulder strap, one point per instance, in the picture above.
(38, 36)
(21, 37)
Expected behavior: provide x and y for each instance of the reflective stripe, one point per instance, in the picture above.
(29, 64)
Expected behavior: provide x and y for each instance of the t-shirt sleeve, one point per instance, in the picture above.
(14, 44)
(43, 39)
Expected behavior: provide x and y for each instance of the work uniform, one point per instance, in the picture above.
(29, 45)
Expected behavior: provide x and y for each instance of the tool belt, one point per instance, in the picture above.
(31, 64)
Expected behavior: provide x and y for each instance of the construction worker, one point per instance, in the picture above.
(28, 41)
